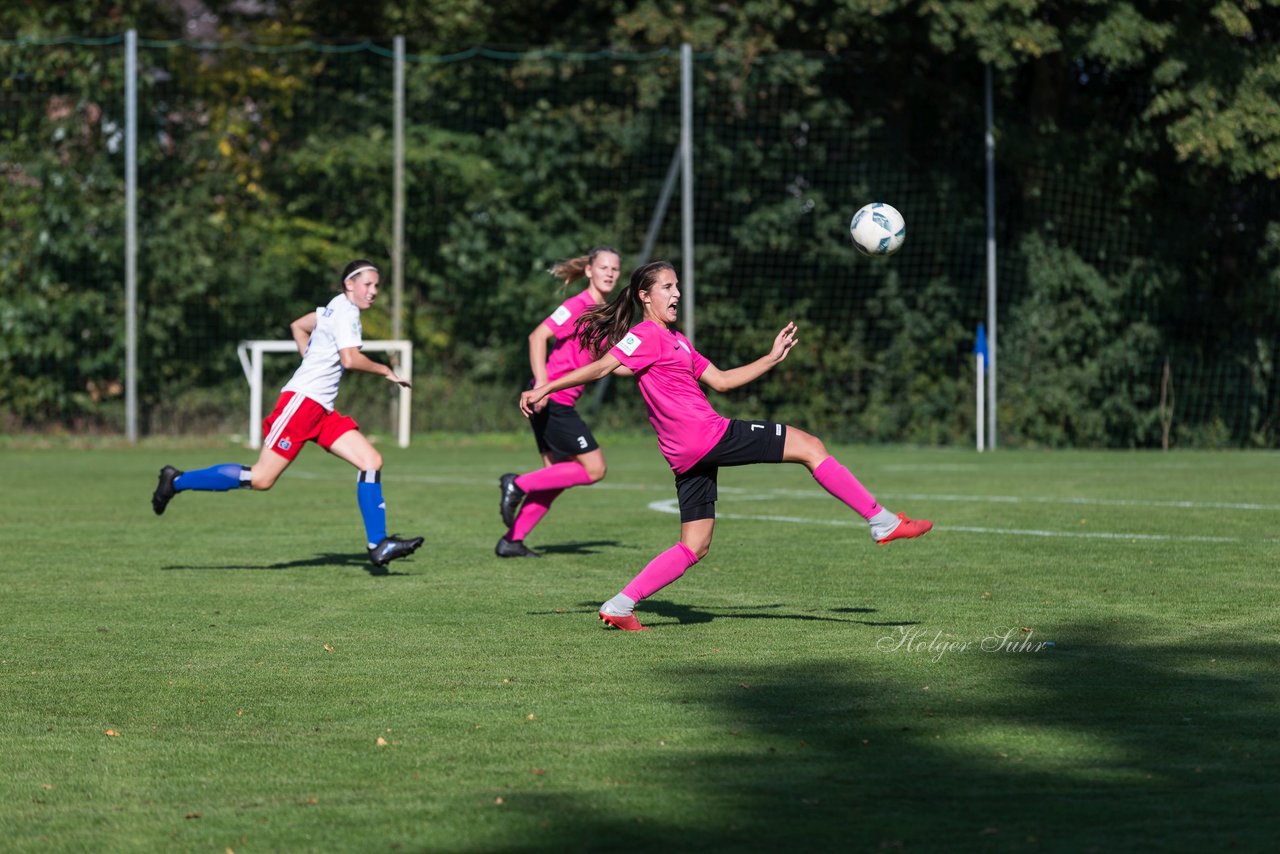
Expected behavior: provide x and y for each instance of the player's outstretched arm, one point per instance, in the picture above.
(606, 364)
(740, 376)
(354, 360)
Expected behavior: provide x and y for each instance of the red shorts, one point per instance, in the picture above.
(297, 419)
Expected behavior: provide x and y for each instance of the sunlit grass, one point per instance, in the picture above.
(230, 676)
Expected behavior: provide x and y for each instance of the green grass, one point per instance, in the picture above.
(250, 664)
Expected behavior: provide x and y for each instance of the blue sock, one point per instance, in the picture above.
(372, 507)
(215, 478)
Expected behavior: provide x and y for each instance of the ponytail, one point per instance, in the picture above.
(602, 326)
(575, 268)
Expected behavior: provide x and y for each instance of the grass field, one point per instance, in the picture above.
(229, 676)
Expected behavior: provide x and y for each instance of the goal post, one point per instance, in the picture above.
(251, 352)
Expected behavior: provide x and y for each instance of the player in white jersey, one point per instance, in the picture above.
(329, 340)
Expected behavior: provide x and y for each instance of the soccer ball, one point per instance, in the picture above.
(877, 229)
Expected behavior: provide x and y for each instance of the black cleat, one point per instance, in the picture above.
(514, 548)
(391, 548)
(512, 495)
(164, 489)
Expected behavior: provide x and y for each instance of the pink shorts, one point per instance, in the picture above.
(297, 419)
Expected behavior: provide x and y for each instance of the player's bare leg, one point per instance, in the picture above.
(695, 542)
(801, 447)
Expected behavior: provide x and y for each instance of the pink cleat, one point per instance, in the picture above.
(908, 529)
(628, 623)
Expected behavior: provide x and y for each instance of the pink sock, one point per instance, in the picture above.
(558, 476)
(535, 506)
(838, 480)
(661, 571)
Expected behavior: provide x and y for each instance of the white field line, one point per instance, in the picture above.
(743, 494)
(672, 505)
(1022, 499)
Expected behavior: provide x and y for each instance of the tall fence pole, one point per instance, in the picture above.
(131, 235)
(397, 195)
(398, 414)
(686, 187)
(991, 261)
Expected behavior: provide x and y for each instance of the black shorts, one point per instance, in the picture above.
(561, 431)
(744, 443)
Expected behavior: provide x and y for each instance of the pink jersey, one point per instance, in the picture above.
(667, 368)
(567, 354)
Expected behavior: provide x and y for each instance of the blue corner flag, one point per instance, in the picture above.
(980, 346)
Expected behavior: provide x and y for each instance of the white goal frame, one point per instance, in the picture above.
(250, 353)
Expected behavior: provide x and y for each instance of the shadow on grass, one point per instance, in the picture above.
(1095, 744)
(589, 547)
(345, 559)
(687, 615)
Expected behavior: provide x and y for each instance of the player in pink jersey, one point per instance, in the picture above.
(329, 340)
(693, 437)
(570, 454)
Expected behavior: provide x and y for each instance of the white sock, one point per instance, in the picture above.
(883, 524)
(619, 606)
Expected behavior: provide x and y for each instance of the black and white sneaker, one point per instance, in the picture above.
(512, 495)
(391, 548)
(514, 548)
(164, 489)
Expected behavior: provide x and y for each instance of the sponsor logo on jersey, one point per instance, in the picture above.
(560, 315)
(629, 344)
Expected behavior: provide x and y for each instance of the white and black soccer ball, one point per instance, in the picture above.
(877, 229)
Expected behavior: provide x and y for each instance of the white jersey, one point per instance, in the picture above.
(337, 328)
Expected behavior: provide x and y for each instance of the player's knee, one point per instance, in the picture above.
(373, 462)
(261, 482)
(700, 546)
(596, 471)
(809, 450)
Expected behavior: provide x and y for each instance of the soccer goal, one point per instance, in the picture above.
(251, 352)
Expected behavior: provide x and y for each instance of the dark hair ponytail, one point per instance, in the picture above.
(352, 268)
(602, 326)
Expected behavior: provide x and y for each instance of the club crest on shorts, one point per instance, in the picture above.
(285, 444)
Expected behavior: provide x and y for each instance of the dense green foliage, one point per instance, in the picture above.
(1138, 152)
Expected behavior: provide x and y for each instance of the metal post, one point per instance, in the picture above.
(646, 253)
(687, 302)
(255, 395)
(131, 235)
(398, 413)
(991, 263)
(660, 210)
(397, 195)
(405, 408)
(980, 364)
